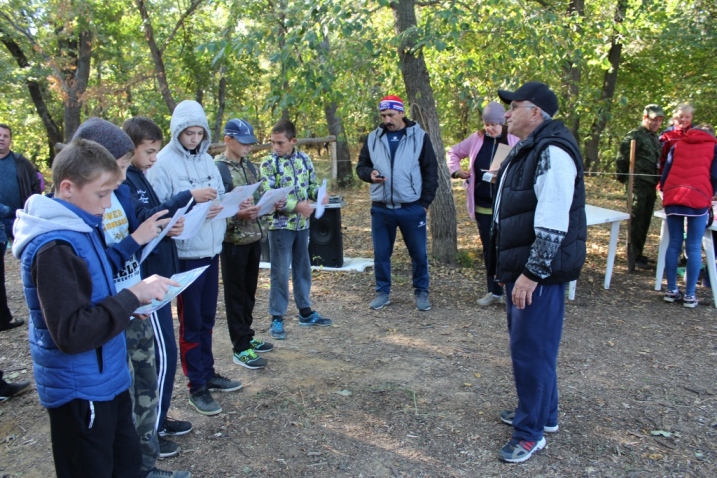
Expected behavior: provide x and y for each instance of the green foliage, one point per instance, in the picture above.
(299, 57)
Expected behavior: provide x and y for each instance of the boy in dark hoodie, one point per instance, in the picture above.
(163, 260)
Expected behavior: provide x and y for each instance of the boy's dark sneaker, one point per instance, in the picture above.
(250, 360)
(315, 319)
(167, 448)
(204, 403)
(157, 473)
(673, 296)
(13, 389)
(261, 346)
(219, 383)
(277, 329)
(174, 427)
(13, 323)
(518, 451)
(507, 416)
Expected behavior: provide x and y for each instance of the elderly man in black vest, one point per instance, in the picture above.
(538, 246)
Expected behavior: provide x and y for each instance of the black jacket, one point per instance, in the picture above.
(514, 234)
(163, 260)
(26, 177)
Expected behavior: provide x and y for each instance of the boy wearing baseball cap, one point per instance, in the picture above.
(241, 249)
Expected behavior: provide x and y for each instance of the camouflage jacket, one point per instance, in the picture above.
(296, 171)
(235, 174)
(647, 154)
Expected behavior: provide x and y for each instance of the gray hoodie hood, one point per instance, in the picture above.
(187, 114)
(42, 215)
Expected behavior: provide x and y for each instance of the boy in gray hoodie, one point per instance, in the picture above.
(181, 165)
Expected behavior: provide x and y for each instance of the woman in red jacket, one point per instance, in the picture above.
(688, 183)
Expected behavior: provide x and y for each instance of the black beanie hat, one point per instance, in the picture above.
(116, 141)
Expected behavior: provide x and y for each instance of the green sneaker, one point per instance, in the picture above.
(261, 346)
(249, 359)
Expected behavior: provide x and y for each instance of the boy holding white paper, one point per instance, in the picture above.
(289, 228)
(241, 250)
(181, 165)
(123, 235)
(77, 319)
(163, 260)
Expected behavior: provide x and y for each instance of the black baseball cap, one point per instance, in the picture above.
(534, 91)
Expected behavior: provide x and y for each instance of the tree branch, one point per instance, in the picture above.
(35, 47)
(192, 7)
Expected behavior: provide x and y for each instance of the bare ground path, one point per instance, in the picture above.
(398, 393)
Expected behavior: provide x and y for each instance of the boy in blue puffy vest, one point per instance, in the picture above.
(77, 318)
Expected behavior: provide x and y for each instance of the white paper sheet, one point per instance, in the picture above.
(193, 220)
(320, 207)
(185, 279)
(271, 197)
(233, 200)
(153, 243)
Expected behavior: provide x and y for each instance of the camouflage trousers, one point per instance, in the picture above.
(643, 206)
(145, 397)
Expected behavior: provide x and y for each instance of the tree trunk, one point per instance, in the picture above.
(222, 104)
(343, 157)
(420, 95)
(592, 144)
(572, 74)
(464, 118)
(159, 69)
(77, 74)
(38, 93)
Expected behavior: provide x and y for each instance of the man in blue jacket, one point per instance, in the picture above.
(399, 161)
(18, 181)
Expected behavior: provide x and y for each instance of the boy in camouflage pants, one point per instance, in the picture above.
(123, 236)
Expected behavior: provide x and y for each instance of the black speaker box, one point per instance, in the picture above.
(326, 245)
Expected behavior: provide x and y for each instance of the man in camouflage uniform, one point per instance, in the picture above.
(241, 249)
(647, 155)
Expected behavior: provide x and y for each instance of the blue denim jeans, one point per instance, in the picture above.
(411, 220)
(289, 248)
(693, 249)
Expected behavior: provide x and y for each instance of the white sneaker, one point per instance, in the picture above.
(490, 299)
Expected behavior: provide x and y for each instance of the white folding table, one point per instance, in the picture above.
(707, 244)
(599, 215)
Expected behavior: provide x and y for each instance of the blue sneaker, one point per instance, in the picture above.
(315, 319)
(517, 451)
(277, 329)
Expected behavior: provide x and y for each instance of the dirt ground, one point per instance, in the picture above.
(402, 393)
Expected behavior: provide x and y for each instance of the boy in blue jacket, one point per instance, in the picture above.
(77, 318)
